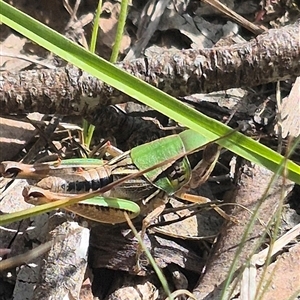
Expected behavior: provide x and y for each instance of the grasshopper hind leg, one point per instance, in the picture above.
(157, 207)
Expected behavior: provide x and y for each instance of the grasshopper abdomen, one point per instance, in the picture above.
(78, 182)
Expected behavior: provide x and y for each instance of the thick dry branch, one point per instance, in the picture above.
(253, 183)
(272, 56)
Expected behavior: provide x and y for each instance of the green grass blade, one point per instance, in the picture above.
(145, 93)
(120, 30)
(88, 129)
(30, 212)
(96, 27)
(98, 200)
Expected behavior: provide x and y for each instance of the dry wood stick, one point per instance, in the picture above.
(269, 57)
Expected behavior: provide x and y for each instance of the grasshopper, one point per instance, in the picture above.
(68, 178)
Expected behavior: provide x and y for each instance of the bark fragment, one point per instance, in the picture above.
(63, 272)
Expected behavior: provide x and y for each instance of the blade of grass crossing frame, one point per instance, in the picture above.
(88, 129)
(136, 88)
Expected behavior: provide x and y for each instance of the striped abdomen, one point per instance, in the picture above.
(78, 182)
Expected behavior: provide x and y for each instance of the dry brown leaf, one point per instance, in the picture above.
(290, 112)
(284, 276)
(14, 135)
